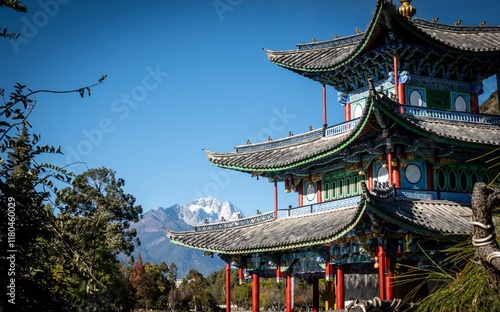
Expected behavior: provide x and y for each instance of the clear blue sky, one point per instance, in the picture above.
(182, 76)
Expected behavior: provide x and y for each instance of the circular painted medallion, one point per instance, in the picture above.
(415, 98)
(310, 192)
(413, 173)
(382, 175)
(460, 104)
(358, 110)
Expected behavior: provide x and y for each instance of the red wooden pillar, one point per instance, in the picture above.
(388, 280)
(279, 274)
(396, 82)
(319, 194)
(324, 106)
(228, 287)
(315, 287)
(389, 168)
(369, 175)
(381, 271)
(340, 288)
(402, 93)
(395, 170)
(255, 292)
(300, 190)
(347, 112)
(474, 103)
(275, 199)
(402, 96)
(329, 283)
(288, 293)
(241, 276)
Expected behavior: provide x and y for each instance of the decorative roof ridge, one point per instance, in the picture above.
(262, 218)
(332, 42)
(290, 140)
(422, 28)
(424, 22)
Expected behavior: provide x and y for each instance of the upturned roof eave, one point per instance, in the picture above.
(361, 45)
(350, 137)
(327, 239)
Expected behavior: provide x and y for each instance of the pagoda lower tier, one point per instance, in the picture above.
(377, 234)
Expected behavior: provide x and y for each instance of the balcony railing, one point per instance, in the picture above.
(462, 198)
(325, 206)
(416, 111)
(343, 127)
(419, 111)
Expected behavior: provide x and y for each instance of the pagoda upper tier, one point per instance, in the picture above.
(424, 48)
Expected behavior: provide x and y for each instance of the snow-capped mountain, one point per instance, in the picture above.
(156, 247)
(210, 209)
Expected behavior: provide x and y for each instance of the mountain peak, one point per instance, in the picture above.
(208, 208)
(156, 247)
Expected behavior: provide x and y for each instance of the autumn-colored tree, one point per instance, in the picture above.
(138, 279)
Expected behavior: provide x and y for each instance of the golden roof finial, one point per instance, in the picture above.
(406, 9)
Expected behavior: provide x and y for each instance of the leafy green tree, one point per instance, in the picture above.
(242, 295)
(94, 227)
(217, 282)
(25, 234)
(25, 186)
(194, 289)
(172, 273)
(159, 285)
(272, 293)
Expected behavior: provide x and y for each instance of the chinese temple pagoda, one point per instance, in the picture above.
(392, 184)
